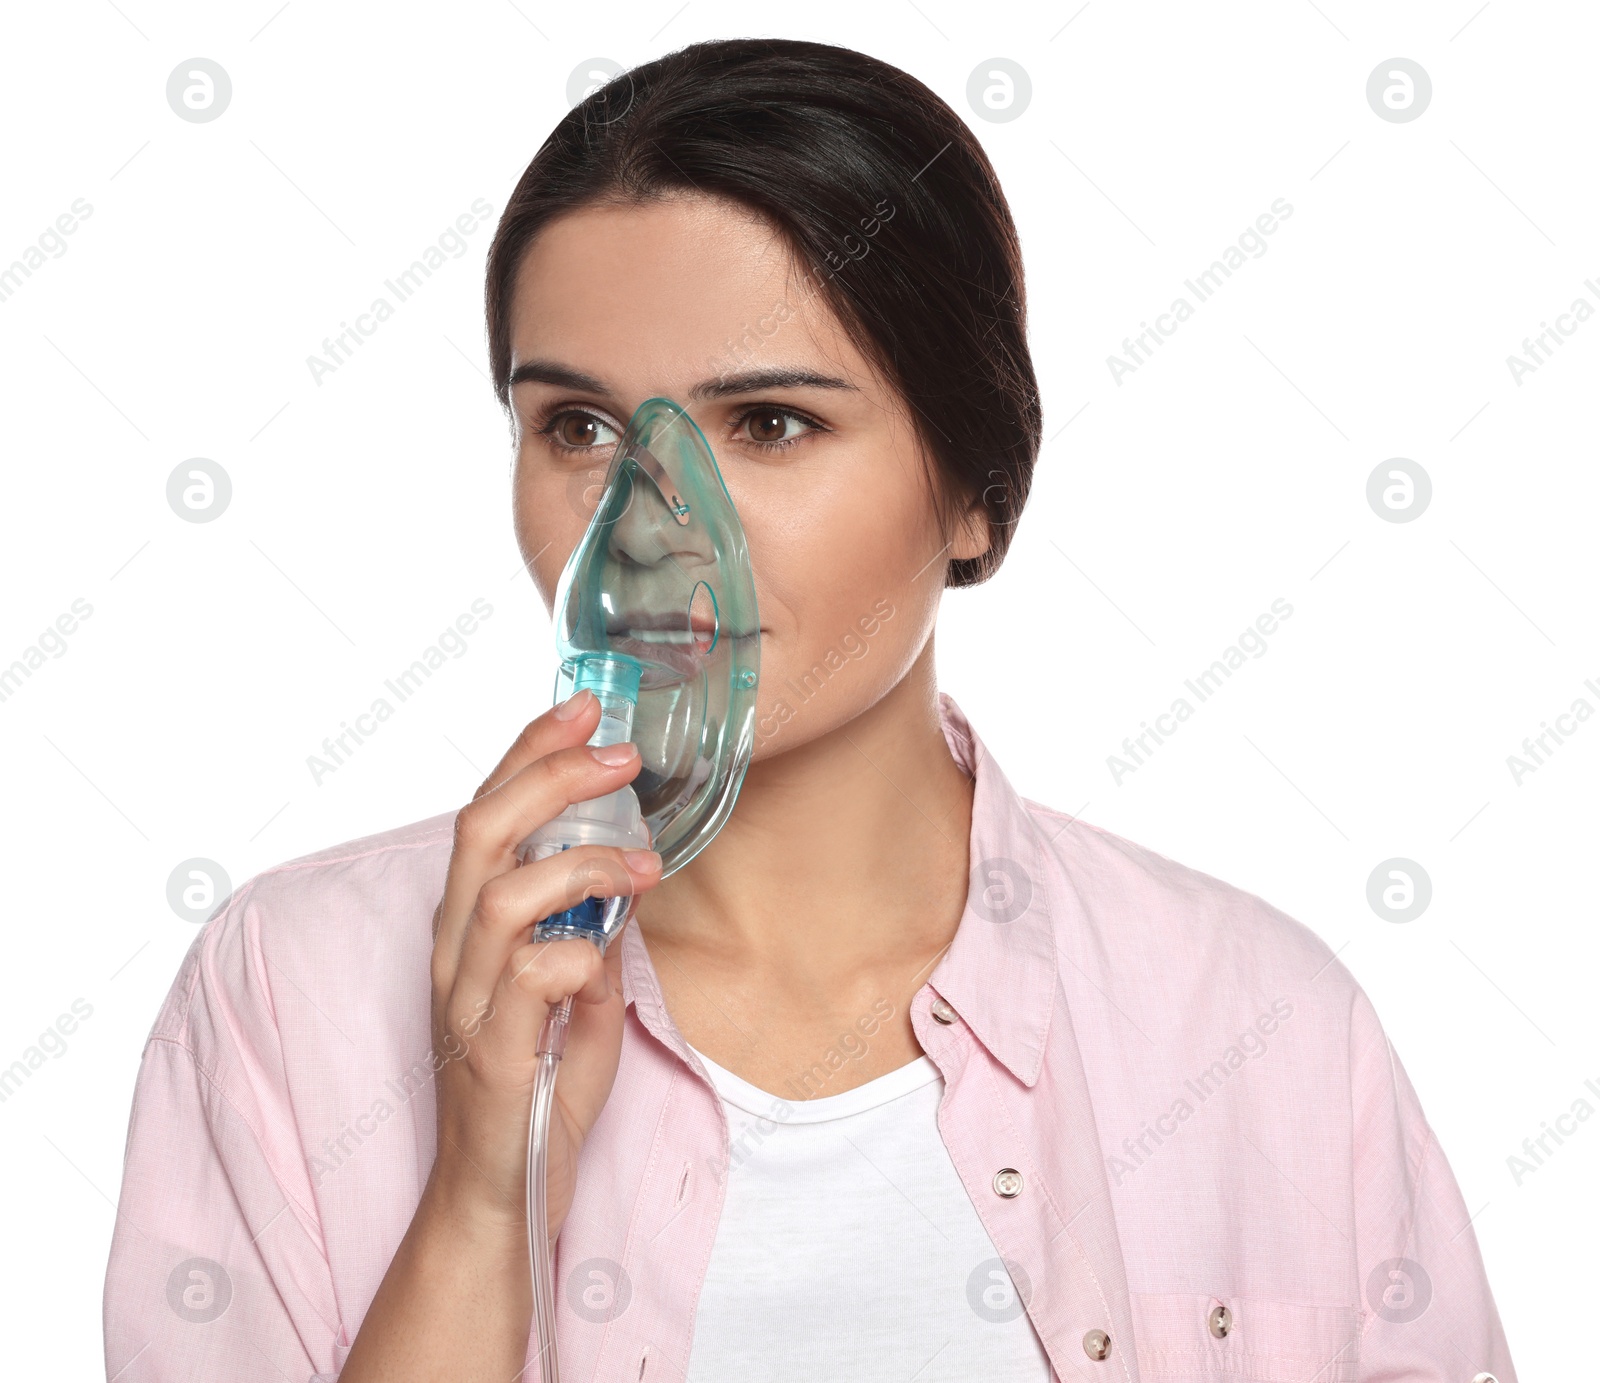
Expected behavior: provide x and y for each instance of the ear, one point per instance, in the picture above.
(972, 537)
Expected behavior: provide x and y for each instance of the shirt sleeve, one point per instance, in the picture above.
(1427, 1313)
(217, 1267)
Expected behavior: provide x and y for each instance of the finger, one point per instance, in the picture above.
(510, 904)
(569, 722)
(613, 957)
(538, 975)
(502, 818)
(550, 971)
(564, 725)
(489, 829)
(612, 969)
(594, 1046)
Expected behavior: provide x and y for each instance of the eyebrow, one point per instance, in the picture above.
(745, 382)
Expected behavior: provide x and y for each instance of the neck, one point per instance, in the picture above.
(850, 846)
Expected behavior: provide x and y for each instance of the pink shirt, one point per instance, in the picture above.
(1173, 1108)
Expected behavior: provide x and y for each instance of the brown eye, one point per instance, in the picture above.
(575, 430)
(767, 425)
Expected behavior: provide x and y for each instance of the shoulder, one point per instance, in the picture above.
(350, 916)
(1174, 980)
(1151, 895)
(302, 995)
(1191, 951)
(362, 863)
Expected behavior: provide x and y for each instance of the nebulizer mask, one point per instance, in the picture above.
(655, 613)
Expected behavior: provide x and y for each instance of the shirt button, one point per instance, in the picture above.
(1008, 1183)
(1221, 1322)
(1485, 1378)
(942, 1012)
(1097, 1344)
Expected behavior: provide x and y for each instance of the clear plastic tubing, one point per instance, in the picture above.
(610, 820)
(541, 1263)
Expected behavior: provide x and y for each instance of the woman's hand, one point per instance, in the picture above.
(492, 985)
(456, 1301)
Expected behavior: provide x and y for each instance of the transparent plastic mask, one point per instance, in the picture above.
(661, 581)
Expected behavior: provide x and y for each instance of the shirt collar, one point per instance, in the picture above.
(999, 972)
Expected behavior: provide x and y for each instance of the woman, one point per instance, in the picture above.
(904, 1076)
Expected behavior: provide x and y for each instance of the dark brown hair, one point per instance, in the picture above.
(879, 189)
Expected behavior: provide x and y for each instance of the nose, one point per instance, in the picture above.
(658, 526)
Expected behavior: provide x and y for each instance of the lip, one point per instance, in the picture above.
(672, 643)
(679, 661)
(653, 621)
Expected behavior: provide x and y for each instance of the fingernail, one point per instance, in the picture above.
(575, 703)
(642, 861)
(614, 755)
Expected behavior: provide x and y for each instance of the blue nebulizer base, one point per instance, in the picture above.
(587, 920)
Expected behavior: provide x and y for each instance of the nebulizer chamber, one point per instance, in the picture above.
(656, 614)
(615, 819)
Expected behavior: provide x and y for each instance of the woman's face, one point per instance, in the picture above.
(697, 300)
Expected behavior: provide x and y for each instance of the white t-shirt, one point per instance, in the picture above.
(848, 1249)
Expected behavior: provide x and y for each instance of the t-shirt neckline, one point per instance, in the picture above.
(752, 1099)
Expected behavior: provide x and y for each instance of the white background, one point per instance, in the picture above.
(1169, 511)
